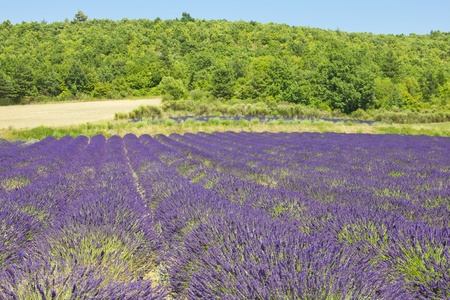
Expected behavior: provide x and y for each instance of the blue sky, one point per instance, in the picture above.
(385, 16)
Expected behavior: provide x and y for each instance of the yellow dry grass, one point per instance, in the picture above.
(153, 129)
(64, 114)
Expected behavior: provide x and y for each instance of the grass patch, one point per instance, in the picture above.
(168, 126)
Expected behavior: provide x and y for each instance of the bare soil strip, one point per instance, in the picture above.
(65, 114)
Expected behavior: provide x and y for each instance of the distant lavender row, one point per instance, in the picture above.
(261, 119)
(226, 216)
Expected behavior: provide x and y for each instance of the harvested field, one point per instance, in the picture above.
(63, 114)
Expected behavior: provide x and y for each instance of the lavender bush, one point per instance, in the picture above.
(214, 119)
(226, 216)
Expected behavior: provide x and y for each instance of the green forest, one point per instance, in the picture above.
(200, 59)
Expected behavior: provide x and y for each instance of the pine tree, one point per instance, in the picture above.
(7, 94)
(80, 16)
(222, 83)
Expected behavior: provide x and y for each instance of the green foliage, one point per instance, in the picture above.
(120, 116)
(80, 16)
(254, 121)
(7, 91)
(324, 69)
(76, 79)
(102, 89)
(163, 126)
(170, 122)
(409, 117)
(241, 108)
(187, 17)
(346, 86)
(243, 123)
(189, 121)
(23, 80)
(222, 83)
(214, 121)
(149, 111)
(305, 122)
(172, 87)
(49, 84)
(387, 93)
(390, 64)
(360, 115)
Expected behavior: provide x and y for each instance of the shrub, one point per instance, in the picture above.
(189, 121)
(225, 122)
(149, 111)
(169, 122)
(173, 87)
(232, 111)
(320, 122)
(166, 97)
(243, 123)
(181, 105)
(360, 114)
(284, 110)
(214, 121)
(199, 95)
(254, 121)
(201, 109)
(120, 116)
(140, 124)
(217, 113)
(410, 117)
(258, 110)
(337, 114)
(200, 123)
(223, 108)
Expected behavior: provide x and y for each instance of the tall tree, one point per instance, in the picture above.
(222, 82)
(49, 84)
(390, 65)
(345, 84)
(7, 93)
(76, 78)
(80, 16)
(23, 79)
(187, 17)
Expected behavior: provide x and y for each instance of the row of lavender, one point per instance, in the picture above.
(74, 224)
(226, 216)
(259, 119)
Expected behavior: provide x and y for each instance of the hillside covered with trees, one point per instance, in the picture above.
(324, 69)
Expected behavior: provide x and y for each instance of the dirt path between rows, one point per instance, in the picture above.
(65, 114)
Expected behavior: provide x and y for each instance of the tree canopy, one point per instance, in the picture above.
(80, 16)
(241, 60)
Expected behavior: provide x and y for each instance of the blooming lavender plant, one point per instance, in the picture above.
(226, 215)
(237, 119)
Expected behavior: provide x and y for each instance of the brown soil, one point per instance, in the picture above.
(64, 114)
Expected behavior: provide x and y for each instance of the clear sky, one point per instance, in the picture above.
(376, 16)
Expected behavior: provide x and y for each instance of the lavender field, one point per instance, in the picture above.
(226, 216)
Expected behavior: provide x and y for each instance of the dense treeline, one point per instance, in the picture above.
(325, 69)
